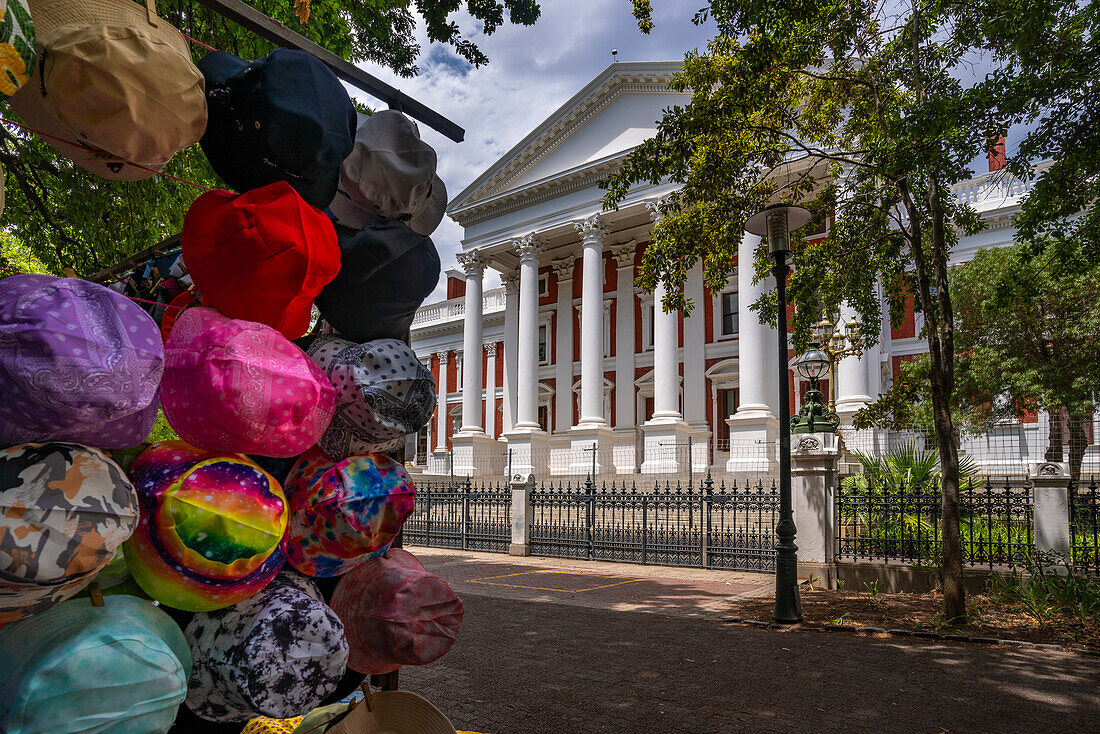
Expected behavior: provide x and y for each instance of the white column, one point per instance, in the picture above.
(755, 341)
(511, 348)
(563, 346)
(852, 378)
(592, 231)
(474, 266)
(754, 427)
(491, 389)
(666, 434)
(441, 404)
(695, 381)
(527, 418)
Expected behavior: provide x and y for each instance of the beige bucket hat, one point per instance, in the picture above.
(390, 173)
(114, 86)
(383, 712)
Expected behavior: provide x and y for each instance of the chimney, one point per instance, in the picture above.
(997, 154)
(456, 283)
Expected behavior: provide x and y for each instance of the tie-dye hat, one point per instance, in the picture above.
(384, 393)
(239, 386)
(210, 530)
(78, 667)
(64, 510)
(343, 513)
(395, 613)
(279, 654)
(79, 363)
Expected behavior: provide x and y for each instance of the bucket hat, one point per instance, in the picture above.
(285, 117)
(119, 667)
(262, 256)
(210, 529)
(386, 272)
(383, 394)
(116, 80)
(390, 174)
(396, 613)
(344, 513)
(17, 49)
(64, 511)
(278, 654)
(79, 363)
(381, 712)
(239, 386)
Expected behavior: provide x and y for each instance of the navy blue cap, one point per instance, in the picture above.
(285, 117)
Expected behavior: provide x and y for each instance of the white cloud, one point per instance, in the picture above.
(532, 71)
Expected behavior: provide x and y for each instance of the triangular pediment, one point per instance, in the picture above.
(614, 113)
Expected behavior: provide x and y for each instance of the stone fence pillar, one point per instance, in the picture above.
(1050, 511)
(813, 487)
(522, 487)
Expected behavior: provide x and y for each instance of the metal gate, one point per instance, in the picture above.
(461, 516)
(668, 525)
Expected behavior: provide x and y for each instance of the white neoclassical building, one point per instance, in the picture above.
(569, 367)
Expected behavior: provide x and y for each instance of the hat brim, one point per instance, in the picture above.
(348, 213)
(218, 67)
(431, 212)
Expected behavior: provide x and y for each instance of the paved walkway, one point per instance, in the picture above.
(559, 646)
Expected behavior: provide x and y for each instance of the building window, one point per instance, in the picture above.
(729, 314)
(544, 285)
(727, 406)
(544, 343)
(456, 419)
(607, 328)
(421, 446)
(544, 417)
(648, 313)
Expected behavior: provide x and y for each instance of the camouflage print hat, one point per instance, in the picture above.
(64, 511)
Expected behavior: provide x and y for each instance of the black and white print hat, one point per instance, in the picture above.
(383, 393)
(277, 654)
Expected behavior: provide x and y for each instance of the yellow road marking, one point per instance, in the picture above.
(489, 581)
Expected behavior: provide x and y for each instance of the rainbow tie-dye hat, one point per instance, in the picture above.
(345, 512)
(211, 527)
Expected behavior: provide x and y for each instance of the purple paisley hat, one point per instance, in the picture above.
(78, 362)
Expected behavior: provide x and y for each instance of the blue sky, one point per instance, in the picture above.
(531, 72)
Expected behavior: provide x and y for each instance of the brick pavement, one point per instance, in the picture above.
(630, 649)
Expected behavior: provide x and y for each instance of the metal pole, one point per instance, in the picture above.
(788, 607)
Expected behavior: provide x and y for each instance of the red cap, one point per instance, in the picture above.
(260, 256)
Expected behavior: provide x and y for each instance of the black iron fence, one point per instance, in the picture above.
(707, 526)
(902, 523)
(461, 515)
(1084, 526)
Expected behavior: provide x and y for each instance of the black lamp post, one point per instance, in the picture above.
(776, 223)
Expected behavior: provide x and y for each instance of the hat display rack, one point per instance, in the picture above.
(256, 561)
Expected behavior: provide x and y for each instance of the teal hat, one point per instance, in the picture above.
(77, 667)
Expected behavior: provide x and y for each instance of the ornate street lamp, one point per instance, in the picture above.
(814, 417)
(776, 223)
(838, 340)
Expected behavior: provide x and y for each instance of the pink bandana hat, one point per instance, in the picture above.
(241, 387)
(344, 513)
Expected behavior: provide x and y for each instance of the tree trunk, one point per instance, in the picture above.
(1054, 442)
(1078, 442)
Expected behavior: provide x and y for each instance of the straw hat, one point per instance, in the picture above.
(384, 712)
(114, 86)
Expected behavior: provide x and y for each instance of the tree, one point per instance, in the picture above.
(1025, 338)
(857, 110)
(70, 218)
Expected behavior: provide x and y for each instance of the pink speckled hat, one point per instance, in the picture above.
(242, 387)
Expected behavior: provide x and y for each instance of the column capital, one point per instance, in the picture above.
(591, 229)
(624, 253)
(564, 268)
(472, 262)
(491, 349)
(528, 247)
(655, 208)
(510, 281)
(442, 356)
